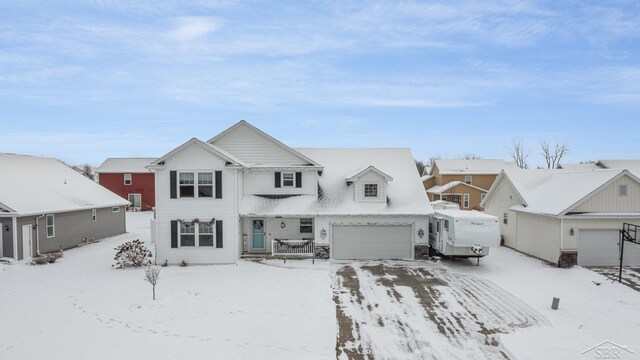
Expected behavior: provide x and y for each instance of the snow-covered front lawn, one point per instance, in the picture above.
(82, 308)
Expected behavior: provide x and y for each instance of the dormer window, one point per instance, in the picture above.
(371, 190)
(288, 179)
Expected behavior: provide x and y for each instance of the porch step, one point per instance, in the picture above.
(253, 256)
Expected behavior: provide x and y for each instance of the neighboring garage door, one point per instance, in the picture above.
(371, 242)
(600, 248)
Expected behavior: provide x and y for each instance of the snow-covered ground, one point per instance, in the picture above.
(82, 308)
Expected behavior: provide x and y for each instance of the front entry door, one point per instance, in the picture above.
(257, 234)
(26, 242)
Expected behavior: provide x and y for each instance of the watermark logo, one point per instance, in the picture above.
(608, 350)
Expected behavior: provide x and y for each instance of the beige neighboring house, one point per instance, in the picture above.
(545, 213)
(464, 182)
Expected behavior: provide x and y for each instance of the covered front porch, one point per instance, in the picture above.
(278, 236)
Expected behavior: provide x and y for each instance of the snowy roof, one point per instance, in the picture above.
(629, 164)
(555, 192)
(477, 167)
(426, 177)
(439, 189)
(406, 193)
(124, 165)
(36, 185)
(587, 166)
(358, 173)
(465, 214)
(209, 147)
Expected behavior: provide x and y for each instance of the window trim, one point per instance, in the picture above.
(364, 191)
(196, 234)
(115, 209)
(446, 225)
(306, 226)
(132, 203)
(130, 180)
(468, 179)
(94, 215)
(282, 179)
(52, 225)
(466, 200)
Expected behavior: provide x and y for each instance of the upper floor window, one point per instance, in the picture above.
(371, 190)
(468, 179)
(205, 184)
(51, 226)
(623, 190)
(127, 179)
(187, 185)
(306, 226)
(288, 179)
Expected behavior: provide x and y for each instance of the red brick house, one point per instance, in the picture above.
(129, 178)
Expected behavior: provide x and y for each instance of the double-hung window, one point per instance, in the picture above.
(196, 235)
(371, 190)
(205, 235)
(51, 226)
(205, 184)
(468, 179)
(306, 226)
(465, 201)
(127, 179)
(288, 179)
(93, 215)
(505, 218)
(187, 184)
(187, 235)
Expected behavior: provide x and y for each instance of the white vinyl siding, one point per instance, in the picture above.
(608, 199)
(195, 158)
(538, 236)
(502, 199)
(250, 147)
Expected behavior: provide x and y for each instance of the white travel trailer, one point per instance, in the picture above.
(457, 233)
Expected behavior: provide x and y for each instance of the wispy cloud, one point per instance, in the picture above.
(189, 28)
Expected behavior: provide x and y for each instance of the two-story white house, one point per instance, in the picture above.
(244, 192)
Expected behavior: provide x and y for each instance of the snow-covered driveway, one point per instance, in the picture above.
(391, 311)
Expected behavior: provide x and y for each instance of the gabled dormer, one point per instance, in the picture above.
(369, 184)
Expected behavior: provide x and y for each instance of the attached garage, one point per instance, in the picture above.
(371, 242)
(599, 247)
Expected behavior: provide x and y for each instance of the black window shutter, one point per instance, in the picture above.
(218, 184)
(278, 179)
(219, 240)
(173, 182)
(298, 179)
(174, 234)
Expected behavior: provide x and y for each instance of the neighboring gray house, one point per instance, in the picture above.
(47, 206)
(245, 193)
(545, 213)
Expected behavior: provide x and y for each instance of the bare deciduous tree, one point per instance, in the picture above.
(519, 154)
(421, 166)
(553, 154)
(87, 171)
(151, 275)
(470, 156)
(432, 160)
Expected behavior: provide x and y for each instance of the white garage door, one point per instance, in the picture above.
(371, 242)
(600, 248)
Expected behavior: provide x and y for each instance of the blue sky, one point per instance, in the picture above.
(86, 80)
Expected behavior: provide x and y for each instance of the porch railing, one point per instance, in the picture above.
(282, 247)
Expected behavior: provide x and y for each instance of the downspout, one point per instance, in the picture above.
(38, 235)
(561, 234)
